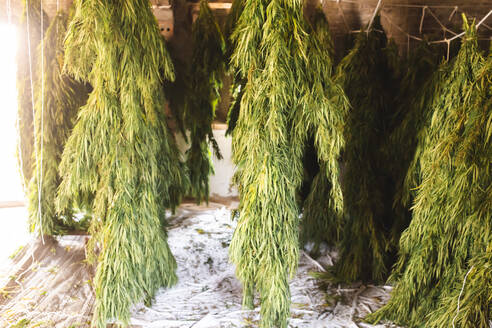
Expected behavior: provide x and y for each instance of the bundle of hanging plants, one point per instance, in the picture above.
(421, 82)
(207, 72)
(443, 276)
(320, 220)
(58, 99)
(122, 151)
(289, 95)
(426, 71)
(30, 35)
(370, 82)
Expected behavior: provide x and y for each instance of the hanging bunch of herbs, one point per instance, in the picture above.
(370, 82)
(122, 151)
(55, 112)
(320, 220)
(425, 73)
(289, 95)
(420, 115)
(27, 75)
(421, 83)
(443, 275)
(208, 68)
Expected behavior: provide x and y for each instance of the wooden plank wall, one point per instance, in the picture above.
(344, 15)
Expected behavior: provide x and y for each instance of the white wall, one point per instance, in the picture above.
(220, 182)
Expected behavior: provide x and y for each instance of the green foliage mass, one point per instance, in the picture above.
(55, 114)
(289, 96)
(122, 151)
(448, 245)
(370, 82)
(207, 71)
(422, 81)
(25, 66)
(320, 220)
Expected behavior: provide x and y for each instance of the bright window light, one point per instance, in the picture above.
(10, 182)
(14, 232)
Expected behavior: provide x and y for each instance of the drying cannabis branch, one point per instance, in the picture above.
(26, 66)
(208, 67)
(122, 151)
(289, 95)
(62, 98)
(420, 85)
(450, 233)
(320, 220)
(368, 76)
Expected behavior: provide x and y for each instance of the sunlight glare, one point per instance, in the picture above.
(10, 182)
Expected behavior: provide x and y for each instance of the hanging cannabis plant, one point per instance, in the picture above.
(370, 82)
(207, 70)
(121, 150)
(421, 84)
(444, 275)
(289, 94)
(27, 75)
(320, 221)
(55, 112)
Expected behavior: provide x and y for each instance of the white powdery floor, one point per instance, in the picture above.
(208, 295)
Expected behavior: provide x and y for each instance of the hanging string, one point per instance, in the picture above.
(378, 6)
(40, 176)
(422, 19)
(448, 43)
(461, 293)
(452, 13)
